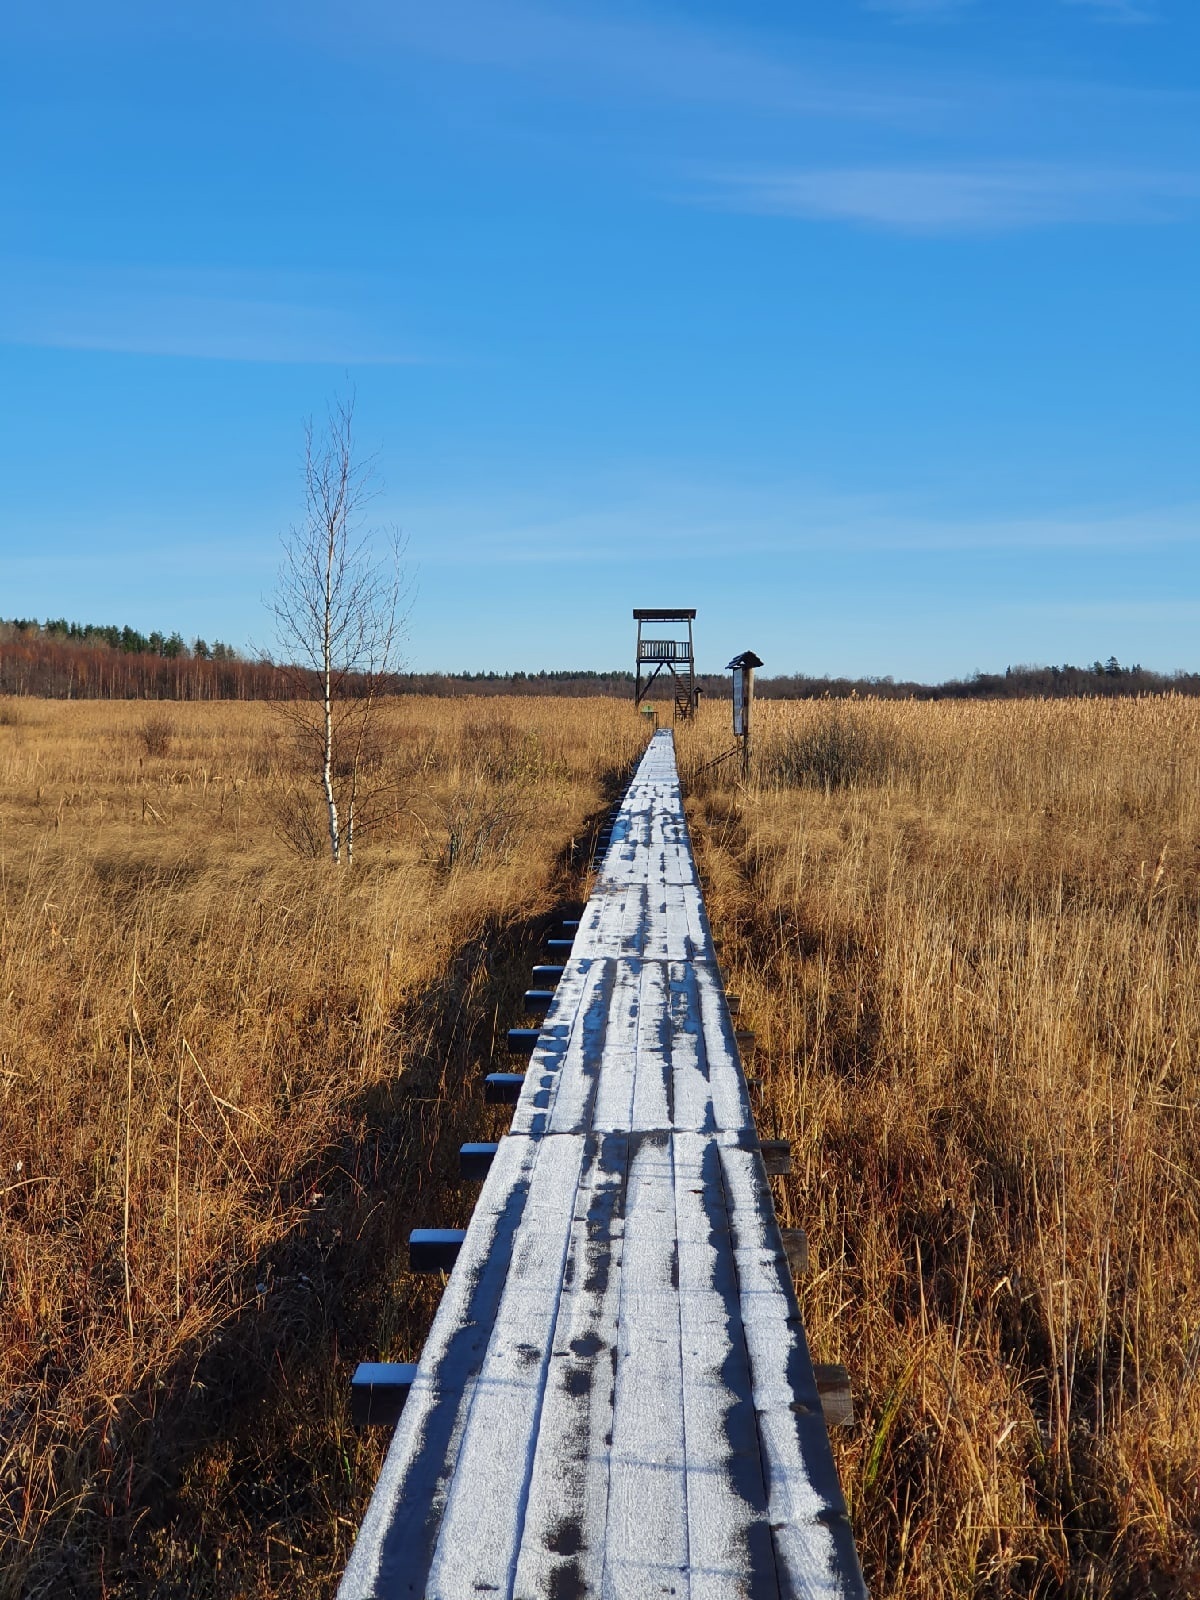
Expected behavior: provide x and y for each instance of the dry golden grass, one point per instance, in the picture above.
(231, 1079)
(967, 937)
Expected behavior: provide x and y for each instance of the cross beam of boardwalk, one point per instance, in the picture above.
(616, 1397)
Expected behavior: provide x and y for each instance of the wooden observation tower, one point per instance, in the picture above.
(675, 655)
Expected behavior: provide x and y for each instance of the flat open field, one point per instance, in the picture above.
(231, 1079)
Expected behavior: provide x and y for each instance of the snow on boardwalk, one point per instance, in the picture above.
(616, 1398)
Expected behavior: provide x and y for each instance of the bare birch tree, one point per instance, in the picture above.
(339, 620)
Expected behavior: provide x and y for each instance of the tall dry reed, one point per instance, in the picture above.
(967, 937)
(230, 1079)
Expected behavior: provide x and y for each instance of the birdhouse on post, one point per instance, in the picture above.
(742, 668)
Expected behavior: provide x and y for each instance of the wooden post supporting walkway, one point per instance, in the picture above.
(616, 1398)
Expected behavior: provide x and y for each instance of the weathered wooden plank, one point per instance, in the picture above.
(729, 1539)
(562, 1548)
(731, 1100)
(691, 1083)
(567, 1062)
(490, 1487)
(646, 1537)
(814, 1548)
(399, 1534)
(653, 1086)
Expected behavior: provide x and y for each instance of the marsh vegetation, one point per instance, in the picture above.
(967, 937)
(231, 1079)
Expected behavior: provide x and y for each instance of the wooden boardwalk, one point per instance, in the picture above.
(616, 1398)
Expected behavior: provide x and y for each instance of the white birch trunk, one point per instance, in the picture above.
(335, 841)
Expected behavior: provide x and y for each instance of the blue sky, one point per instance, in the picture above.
(869, 329)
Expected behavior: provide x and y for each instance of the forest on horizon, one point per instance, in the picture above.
(63, 660)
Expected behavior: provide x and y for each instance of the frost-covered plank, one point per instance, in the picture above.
(562, 1543)
(730, 1547)
(593, 1085)
(646, 1538)
(567, 992)
(490, 1486)
(690, 1087)
(679, 934)
(653, 1096)
(813, 1543)
(400, 1531)
(557, 1056)
(731, 1101)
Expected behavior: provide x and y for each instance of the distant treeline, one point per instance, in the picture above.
(573, 684)
(65, 660)
(172, 646)
(1014, 683)
(62, 660)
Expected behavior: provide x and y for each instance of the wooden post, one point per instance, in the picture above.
(747, 707)
(378, 1391)
(434, 1249)
(475, 1160)
(503, 1088)
(777, 1157)
(742, 668)
(833, 1385)
(795, 1248)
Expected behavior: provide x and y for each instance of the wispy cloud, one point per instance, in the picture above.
(1119, 10)
(702, 521)
(659, 53)
(943, 199)
(653, 53)
(592, 52)
(919, 10)
(217, 316)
